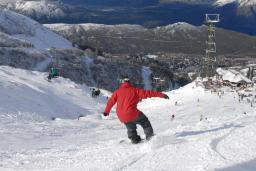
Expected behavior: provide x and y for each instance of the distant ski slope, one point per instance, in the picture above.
(30, 31)
(223, 140)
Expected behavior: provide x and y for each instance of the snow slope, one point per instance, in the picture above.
(30, 31)
(224, 139)
(29, 92)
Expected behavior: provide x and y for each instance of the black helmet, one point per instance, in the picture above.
(124, 79)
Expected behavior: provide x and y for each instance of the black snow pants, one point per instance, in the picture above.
(143, 121)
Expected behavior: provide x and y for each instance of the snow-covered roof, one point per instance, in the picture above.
(232, 76)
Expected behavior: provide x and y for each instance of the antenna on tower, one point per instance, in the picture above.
(208, 63)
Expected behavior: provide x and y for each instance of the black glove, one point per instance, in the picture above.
(105, 114)
(166, 97)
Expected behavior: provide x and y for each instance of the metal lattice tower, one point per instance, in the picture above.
(208, 63)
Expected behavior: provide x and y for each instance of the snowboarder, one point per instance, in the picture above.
(127, 97)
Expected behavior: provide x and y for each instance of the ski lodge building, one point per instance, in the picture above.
(234, 78)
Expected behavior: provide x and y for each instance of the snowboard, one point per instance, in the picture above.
(127, 141)
(143, 140)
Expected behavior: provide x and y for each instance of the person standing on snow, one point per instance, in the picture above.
(127, 97)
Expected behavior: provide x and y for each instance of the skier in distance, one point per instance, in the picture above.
(127, 97)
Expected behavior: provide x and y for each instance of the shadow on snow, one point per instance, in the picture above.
(190, 133)
(246, 166)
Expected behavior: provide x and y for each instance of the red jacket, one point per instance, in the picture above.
(127, 98)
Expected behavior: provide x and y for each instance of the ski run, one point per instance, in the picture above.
(57, 126)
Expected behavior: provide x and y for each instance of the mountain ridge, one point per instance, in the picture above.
(237, 15)
(133, 38)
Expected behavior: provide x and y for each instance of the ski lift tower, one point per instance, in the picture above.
(209, 60)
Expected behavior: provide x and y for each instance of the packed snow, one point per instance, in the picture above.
(30, 92)
(208, 132)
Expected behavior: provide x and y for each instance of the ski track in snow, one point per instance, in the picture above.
(31, 141)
